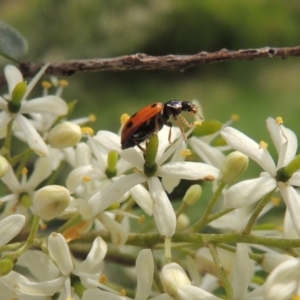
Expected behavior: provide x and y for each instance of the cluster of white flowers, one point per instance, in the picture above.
(95, 207)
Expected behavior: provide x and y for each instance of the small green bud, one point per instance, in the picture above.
(112, 160)
(3, 166)
(207, 127)
(235, 164)
(6, 265)
(64, 135)
(14, 104)
(150, 166)
(285, 173)
(26, 200)
(192, 195)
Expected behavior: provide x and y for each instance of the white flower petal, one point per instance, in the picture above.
(292, 201)
(283, 281)
(48, 104)
(21, 285)
(295, 179)
(142, 197)
(249, 147)
(92, 263)
(110, 194)
(249, 191)
(189, 170)
(96, 294)
(118, 232)
(134, 157)
(109, 140)
(163, 211)
(13, 77)
(76, 176)
(34, 80)
(210, 155)
(144, 262)
(10, 227)
(42, 170)
(194, 293)
(243, 271)
(59, 250)
(39, 265)
(289, 230)
(11, 180)
(5, 117)
(3, 104)
(34, 140)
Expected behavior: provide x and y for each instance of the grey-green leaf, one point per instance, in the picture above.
(12, 44)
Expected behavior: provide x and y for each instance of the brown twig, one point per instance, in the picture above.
(146, 62)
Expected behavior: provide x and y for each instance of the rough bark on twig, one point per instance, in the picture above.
(147, 62)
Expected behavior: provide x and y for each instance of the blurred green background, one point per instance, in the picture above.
(59, 30)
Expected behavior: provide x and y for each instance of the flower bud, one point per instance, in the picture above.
(182, 222)
(173, 276)
(50, 201)
(64, 135)
(17, 95)
(234, 165)
(6, 265)
(192, 195)
(3, 166)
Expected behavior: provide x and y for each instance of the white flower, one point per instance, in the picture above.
(284, 281)
(42, 170)
(144, 275)
(162, 209)
(249, 191)
(89, 270)
(48, 104)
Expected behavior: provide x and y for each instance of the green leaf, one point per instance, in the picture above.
(12, 44)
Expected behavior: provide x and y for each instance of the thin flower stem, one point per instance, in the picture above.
(218, 215)
(222, 274)
(168, 255)
(256, 212)
(5, 151)
(21, 158)
(30, 239)
(70, 223)
(203, 221)
(181, 209)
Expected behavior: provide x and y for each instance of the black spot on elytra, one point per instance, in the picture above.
(129, 125)
(154, 104)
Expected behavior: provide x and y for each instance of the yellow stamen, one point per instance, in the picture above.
(263, 145)
(86, 178)
(185, 152)
(46, 84)
(296, 297)
(124, 118)
(75, 232)
(63, 83)
(43, 227)
(103, 278)
(280, 228)
(276, 201)
(123, 293)
(141, 219)
(235, 117)
(87, 130)
(24, 171)
(197, 123)
(92, 118)
(279, 121)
